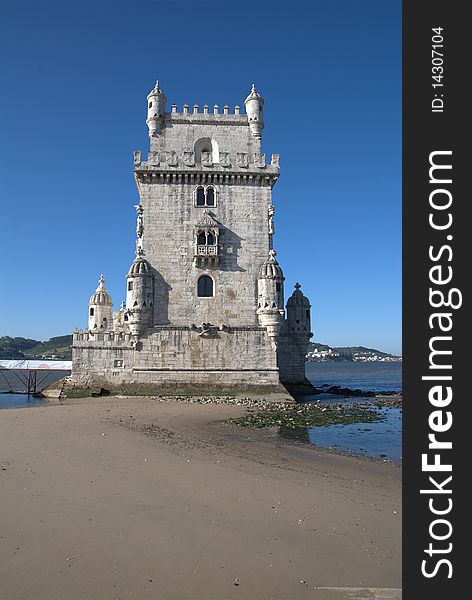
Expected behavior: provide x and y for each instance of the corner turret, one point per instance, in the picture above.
(139, 294)
(100, 309)
(298, 314)
(254, 104)
(270, 292)
(156, 108)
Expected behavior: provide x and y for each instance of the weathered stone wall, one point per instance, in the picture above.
(169, 244)
(173, 356)
(167, 184)
(291, 353)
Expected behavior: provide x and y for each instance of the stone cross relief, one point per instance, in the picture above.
(207, 160)
(242, 160)
(153, 157)
(224, 159)
(172, 159)
(189, 158)
(259, 160)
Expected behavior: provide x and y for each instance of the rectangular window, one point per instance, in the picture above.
(118, 362)
(130, 286)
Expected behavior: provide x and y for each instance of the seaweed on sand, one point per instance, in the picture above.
(309, 415)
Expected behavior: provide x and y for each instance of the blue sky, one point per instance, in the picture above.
(74, 80)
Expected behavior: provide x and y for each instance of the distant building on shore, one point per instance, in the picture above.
(205, 294)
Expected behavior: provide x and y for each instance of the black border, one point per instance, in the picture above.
(423, 133)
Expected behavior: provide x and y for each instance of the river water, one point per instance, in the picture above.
(382, 439)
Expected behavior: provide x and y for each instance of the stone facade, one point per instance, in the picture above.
(205, 300)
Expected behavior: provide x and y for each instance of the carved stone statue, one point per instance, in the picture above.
(140, 220)
(271, 212)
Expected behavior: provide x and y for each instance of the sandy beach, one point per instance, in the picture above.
(112, 498)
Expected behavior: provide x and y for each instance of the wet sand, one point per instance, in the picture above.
(108, 498)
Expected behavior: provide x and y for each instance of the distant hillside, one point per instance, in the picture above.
(17, 348)
(321, 353)
(11, 348)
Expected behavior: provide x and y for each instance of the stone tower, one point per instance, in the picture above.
(205, 294)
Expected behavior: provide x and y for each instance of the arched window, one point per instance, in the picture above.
(205, 287)
(201, 239)
(200, 196)
(205, 196)
(210, 239)
(209, 147)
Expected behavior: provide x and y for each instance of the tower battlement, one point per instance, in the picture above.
(206, 113)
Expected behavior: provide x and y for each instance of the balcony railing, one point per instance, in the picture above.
(206, 250)
(206, 255)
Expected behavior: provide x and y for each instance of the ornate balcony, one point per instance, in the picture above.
(206, 256)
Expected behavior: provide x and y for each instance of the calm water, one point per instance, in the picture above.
(376, 377)
(19, 401)
(380, 440)
(15, 380)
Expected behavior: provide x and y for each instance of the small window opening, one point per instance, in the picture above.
(118, 362)
(210, 239)
(210, 197)
(205, 287)
(130, 286)
(92, 312)
(277, 287)
(307, 314)
(201, 240)
(150, 104)
(200, 196)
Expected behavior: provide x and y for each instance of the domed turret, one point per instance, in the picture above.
(139, 294)
(156, 109)
(270, 295)
(100, 308)
(254, 104)
(298, 313)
